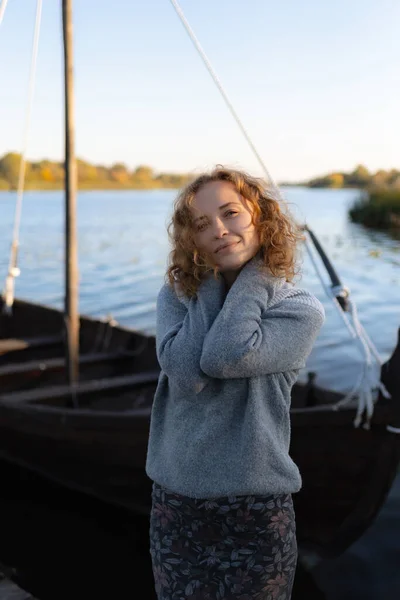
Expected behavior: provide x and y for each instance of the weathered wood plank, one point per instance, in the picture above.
(95, 385)
(15, 344)
(56, 363)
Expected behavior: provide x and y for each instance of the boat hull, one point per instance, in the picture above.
(100, 448)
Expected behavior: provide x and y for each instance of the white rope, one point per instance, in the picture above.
(2, 9)
(332, 293)
(218, 83)
(367, 380)
(328, 292)
(13, 270)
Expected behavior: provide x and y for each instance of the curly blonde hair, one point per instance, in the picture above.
(278, 232)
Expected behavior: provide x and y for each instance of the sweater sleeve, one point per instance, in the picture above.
(180, 331)
(248, 339)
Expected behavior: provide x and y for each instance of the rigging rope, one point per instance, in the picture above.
(366, 382)
(13, 270)
(2, 9)
(219, 85)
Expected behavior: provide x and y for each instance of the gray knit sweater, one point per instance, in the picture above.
(220, 422)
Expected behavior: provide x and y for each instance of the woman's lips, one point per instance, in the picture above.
(226, 248)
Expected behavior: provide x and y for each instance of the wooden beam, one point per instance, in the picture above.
(12, 345)
(49, 364)
(16, 344)
(71, 253)
(85, 387)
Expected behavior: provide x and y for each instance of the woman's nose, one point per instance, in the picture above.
(220, 228)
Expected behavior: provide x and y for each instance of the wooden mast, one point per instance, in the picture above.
(71, 254)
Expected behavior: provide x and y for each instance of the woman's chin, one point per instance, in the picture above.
(230, 263)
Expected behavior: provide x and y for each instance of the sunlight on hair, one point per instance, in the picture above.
(278, 232)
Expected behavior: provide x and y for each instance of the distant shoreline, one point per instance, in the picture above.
(102, 187)
(49, 175)
(90, 188)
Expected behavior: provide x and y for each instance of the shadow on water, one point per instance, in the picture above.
(63, 545)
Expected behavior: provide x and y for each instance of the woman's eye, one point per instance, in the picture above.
(203, 225)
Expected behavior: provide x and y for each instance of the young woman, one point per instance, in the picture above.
(232, 334)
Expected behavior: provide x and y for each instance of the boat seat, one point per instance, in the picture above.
(48, 395)
(57, 363)
(15, 344)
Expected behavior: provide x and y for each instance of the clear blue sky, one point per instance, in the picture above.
(316, 83)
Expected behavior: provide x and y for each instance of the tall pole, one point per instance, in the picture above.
(71, 254)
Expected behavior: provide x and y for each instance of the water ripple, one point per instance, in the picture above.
(123, 251)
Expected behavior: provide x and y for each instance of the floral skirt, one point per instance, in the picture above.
(241, 547)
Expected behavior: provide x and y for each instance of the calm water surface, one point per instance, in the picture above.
(123, 249)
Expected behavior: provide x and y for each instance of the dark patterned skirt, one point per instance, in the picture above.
(241, 547)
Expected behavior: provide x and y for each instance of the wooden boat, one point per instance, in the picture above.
(99, 446)
(76, 396)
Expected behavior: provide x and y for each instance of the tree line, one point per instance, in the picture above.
(360, 177)
(47, 174)
(378, 202)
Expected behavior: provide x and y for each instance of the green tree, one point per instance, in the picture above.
(396, 183)
(9, 168)
(336, 180)
(47, 174)
(120, 173)
(86, 171)
(103, 173)
(392, 177)
(379, 179)
(50, 171)
(143, 174)
(360, 177)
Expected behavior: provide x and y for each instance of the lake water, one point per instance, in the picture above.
(123, 250)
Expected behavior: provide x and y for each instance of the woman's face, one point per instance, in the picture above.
(223, 226)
